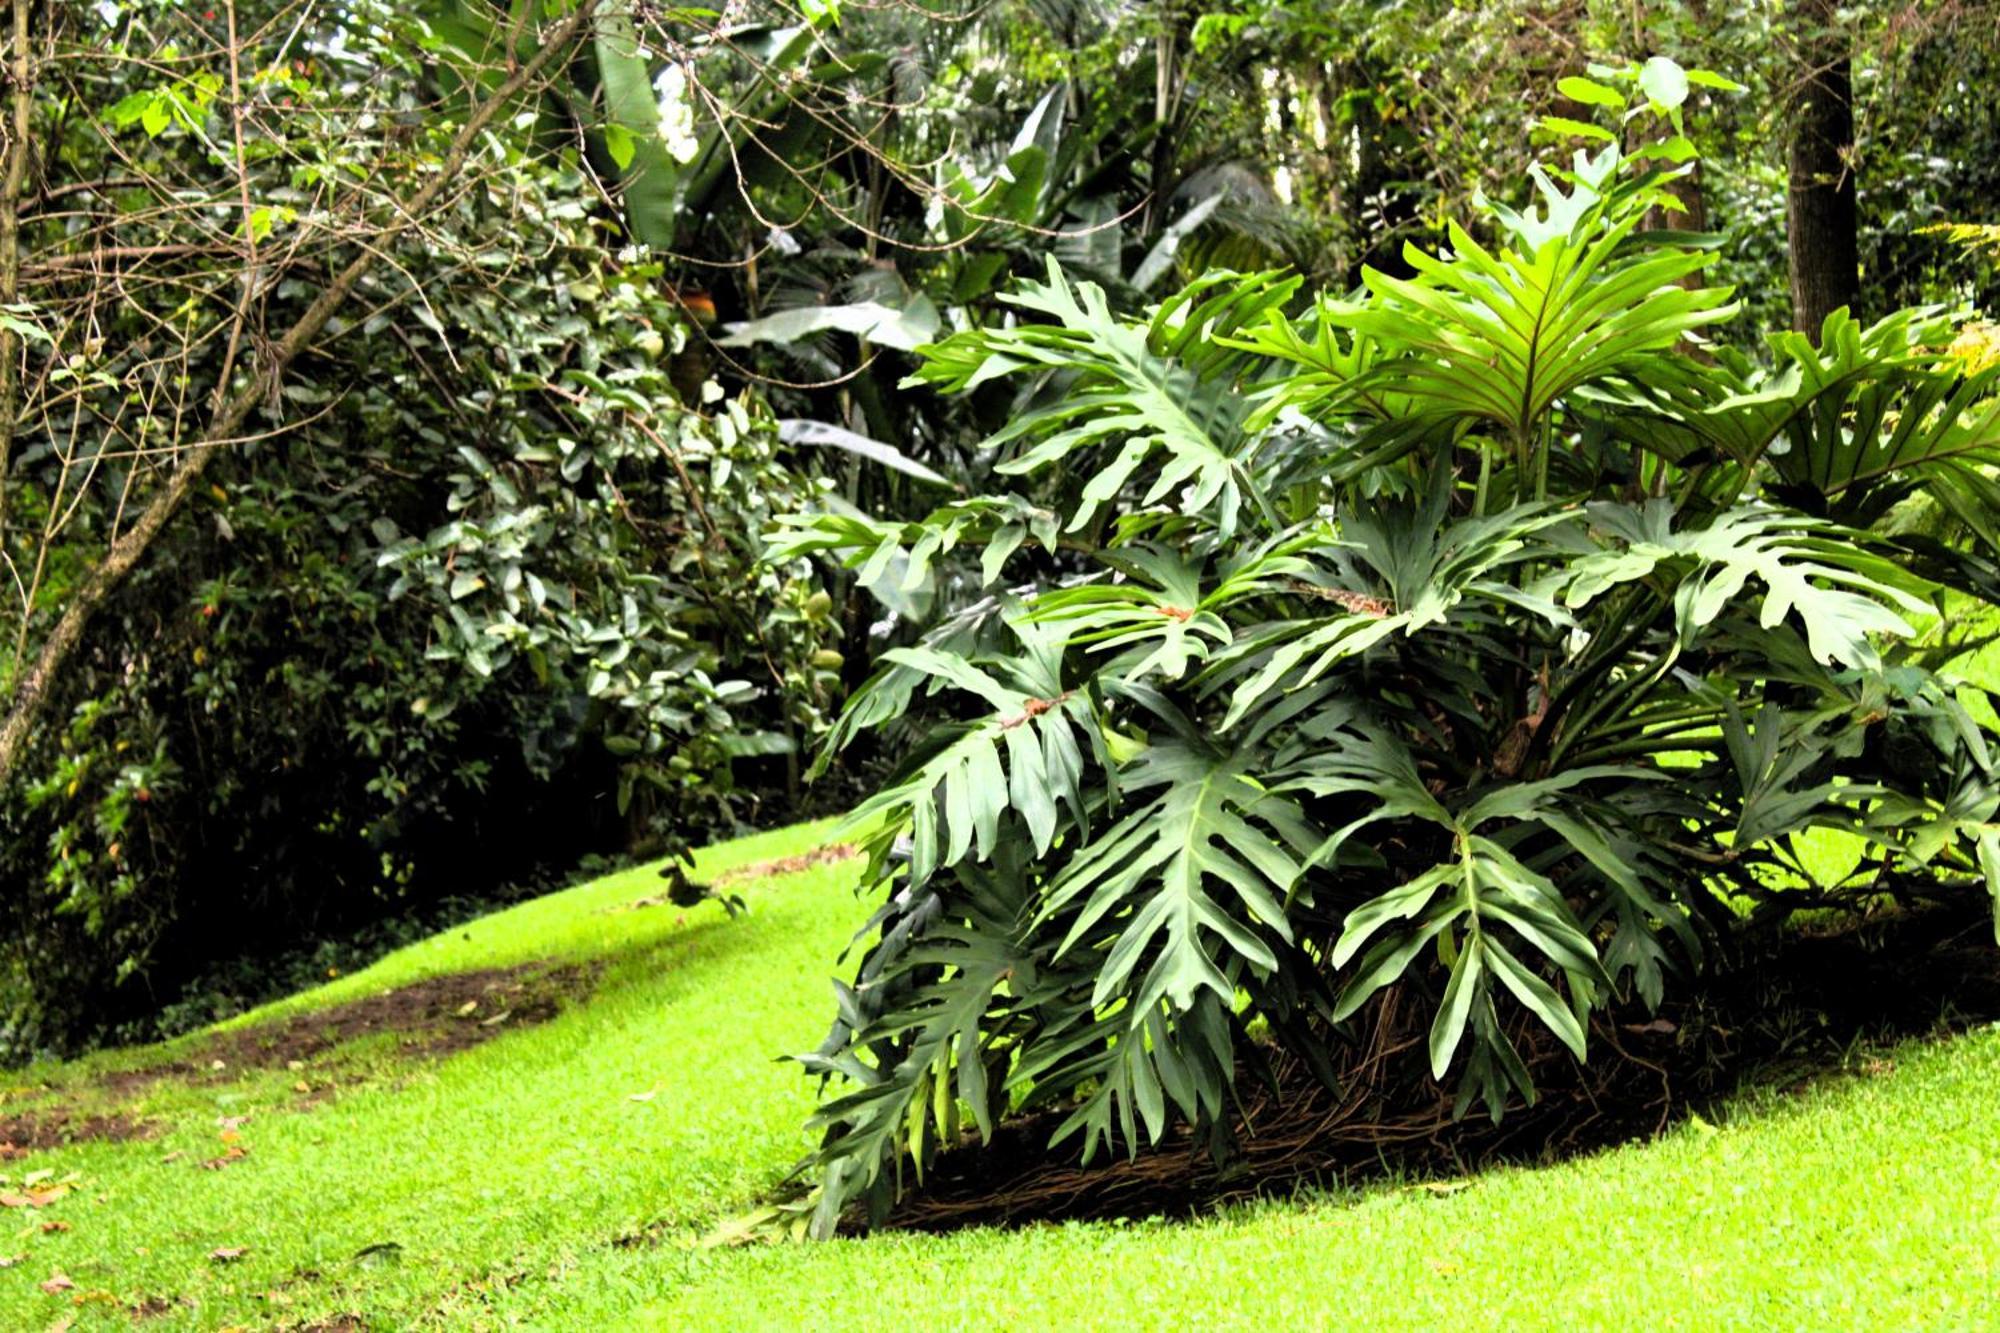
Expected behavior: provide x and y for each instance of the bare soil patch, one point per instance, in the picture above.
(831, 854)
(38, 1131)
(1783, 1019)
(433, 1018)
(437, 1016)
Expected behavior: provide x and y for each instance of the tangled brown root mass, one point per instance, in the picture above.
(1783, 1017)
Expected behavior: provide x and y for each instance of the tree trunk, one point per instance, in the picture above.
(13, 184)
(1365, 181)
(1169, 82)
(1820, 220)
(1693, 215)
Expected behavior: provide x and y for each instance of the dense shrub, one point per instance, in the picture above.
(1484, 638)
(492, 607)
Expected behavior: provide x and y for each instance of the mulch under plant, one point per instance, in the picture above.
(432, 1018)
(1784, 1019)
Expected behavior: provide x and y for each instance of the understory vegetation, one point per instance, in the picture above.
(395, 400)
(1385, 593)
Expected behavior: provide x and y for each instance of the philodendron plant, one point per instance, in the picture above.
(1485, 634)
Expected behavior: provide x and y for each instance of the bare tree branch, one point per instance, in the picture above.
(32, 692)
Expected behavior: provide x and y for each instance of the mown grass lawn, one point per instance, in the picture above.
(550, 1177)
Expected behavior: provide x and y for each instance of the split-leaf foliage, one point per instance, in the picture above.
(1486, 633)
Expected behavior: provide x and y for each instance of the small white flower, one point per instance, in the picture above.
(676, 114)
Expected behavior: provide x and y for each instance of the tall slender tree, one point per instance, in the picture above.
(1821, 218)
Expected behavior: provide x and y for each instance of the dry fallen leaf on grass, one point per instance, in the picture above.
(217, 1163)
(51, 1227)
(58, 1283)
(9, 1260)
(33, 1199)
(228, 1254)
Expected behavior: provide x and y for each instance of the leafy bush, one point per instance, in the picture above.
(1483, 637)
(493, 607)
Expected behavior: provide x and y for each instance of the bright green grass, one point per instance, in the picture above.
(511, 1162)
(1868, 1204)
(508, 1175)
